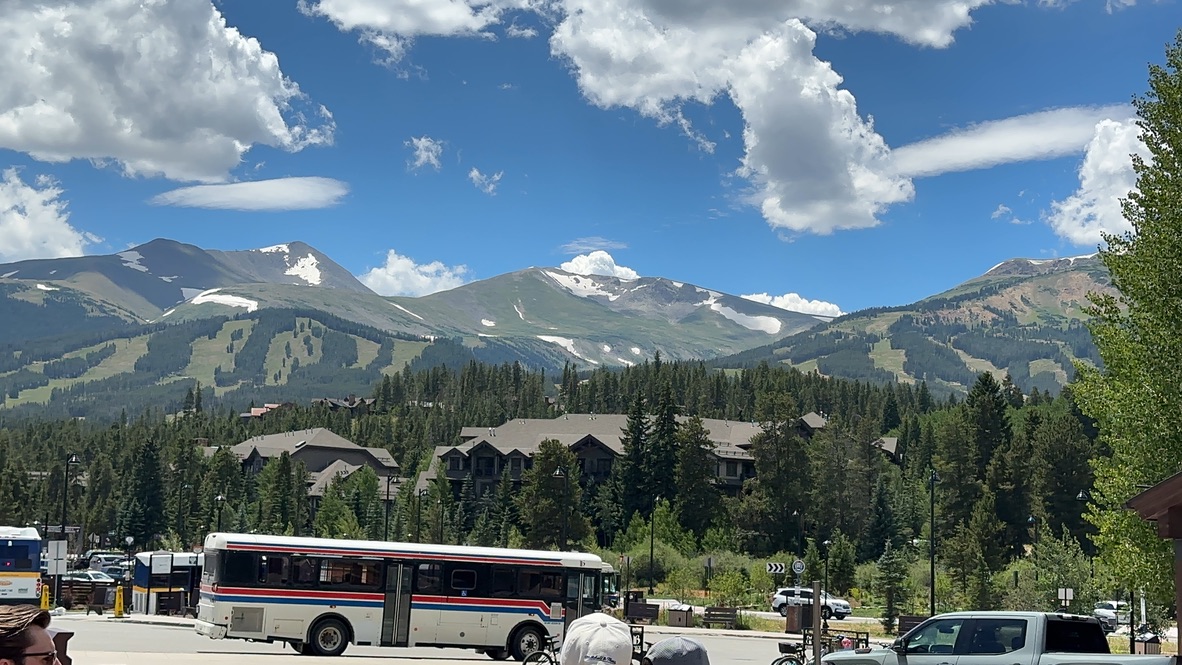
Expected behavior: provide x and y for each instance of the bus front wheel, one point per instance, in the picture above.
(329, 637)
(526, 640)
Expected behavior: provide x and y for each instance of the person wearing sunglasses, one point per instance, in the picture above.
(24, 638)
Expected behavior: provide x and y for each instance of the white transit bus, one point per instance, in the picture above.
(321, 595)
(20, 565)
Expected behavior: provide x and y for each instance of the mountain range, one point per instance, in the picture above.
(166, 314)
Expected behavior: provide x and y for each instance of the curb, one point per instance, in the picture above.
(151, 622)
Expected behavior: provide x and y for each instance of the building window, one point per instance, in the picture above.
(603, 465)
(515, 465)
(732, 469)
(454, 463)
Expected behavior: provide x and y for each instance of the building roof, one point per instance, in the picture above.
(814, 420)
(527, 434)
(274, 445)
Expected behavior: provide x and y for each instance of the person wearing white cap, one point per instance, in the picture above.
(677, 651)
(597, 639)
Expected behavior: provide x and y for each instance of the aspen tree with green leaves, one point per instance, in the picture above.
(1136, 399)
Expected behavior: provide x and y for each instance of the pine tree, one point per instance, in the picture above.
(661, 461)
(890, 580)
(543, 497)
(890, 412)
(986, 406)
(883, 530)
(633, 468)
(143, 515)
(698, 499)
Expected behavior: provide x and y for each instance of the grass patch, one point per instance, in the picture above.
(277, 361)
(366, 352)
(889, 359)
(127, 351)
(1048, 365)
(979, 365)
(404, 352)
(210, 354)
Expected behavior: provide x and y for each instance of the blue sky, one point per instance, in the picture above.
(425, 143)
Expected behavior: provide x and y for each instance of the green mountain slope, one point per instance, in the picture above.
(1023, 317)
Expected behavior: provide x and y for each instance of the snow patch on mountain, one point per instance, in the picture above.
(623, 361)
(568, 344)
(635, 350)
(768, 324)
(517, 308)
(212, 296)
(607, 349)
(677, 284)
(131, 259)
(307, 269)
(169, 279)
(188, 293)
(9, 274)
(408, 311)
(45, 287)
(274, 249)
(488, 323)
(580, 285)
(167, 313)
(1038, 262)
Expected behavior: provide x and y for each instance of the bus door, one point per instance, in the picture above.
(582, 594)
(396, 613)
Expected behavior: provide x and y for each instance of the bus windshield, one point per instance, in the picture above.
(22, 556)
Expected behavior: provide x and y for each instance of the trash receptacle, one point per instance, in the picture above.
(680, 616)
(634, 596)
(792, 619)
(1147, 644)
(806, 615)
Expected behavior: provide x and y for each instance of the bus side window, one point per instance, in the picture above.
(463, 580)
(429, 579)
(272, 570)
(239, 569)
(502, 583)
(305, 572)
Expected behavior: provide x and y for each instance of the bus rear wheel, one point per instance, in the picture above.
(329, 638)
(498, 654)
(526, 640)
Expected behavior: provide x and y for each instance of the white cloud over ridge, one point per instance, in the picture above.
(34, 223)
(298, 193)
(1043, 135)
(426, 152)
(600, 263)
(185, 98)
(1105, 177)
(590, 244)
(401, 276)
(793, 302)
(485, 183)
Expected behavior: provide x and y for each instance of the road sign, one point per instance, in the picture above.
(776, 568)
(798, 567)
(56, 557)
(1066, 594)
(161, 563)
(57, 528)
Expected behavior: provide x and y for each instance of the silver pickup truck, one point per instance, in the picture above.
(998, 638)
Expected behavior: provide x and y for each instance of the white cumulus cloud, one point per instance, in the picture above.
(485, 183)
(160, 88)
(34, 223)
(599, 262)
(426, 152)
(590, 244)
(301, 193)
(1105, 177)
(1042, 135)
(401, 276)
(793, 302)
(520, 32)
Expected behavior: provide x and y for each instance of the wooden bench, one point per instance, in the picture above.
(906, 622)
(728, 617)
(642, 612)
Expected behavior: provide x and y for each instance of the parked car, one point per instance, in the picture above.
(1112, 614)
(988, 638)
(832, 607)
(89, 576)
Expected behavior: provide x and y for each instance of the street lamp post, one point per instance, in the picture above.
(561, 473)
(1033, 522)
(419, 514)
(799, 515)
(652, 543)
(439, 511)
(72, 459)
(220, 500)
(1084, 497)
(386, 530)
(932, 480)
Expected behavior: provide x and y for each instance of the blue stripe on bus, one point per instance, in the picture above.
(483, 608)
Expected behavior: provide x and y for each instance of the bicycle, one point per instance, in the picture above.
(793, 654)
(547, 655)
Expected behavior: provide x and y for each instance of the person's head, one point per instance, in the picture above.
(677, 651)
(24, 639)
(597, 639)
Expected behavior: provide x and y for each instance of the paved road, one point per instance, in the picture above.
(109, 643)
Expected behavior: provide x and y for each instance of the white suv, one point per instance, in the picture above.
(832, 607)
